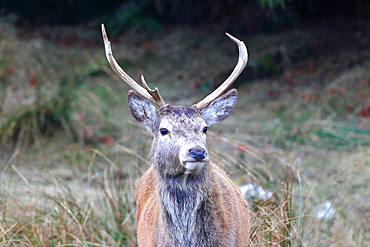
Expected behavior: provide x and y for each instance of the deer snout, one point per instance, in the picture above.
(198, 153)
(193, 157)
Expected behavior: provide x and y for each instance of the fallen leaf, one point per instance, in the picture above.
(365, 83)
(80, 116)
(33, 74)
(273, 93)
(89, 131)
(242, 147)
(106, 139)
(8, 70)
(364, 112)
(288, 75)
(33, 82)
(362, 125)
(347, 107)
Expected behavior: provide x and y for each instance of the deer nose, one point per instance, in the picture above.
(198, 154)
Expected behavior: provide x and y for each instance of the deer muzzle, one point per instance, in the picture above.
(193, 158)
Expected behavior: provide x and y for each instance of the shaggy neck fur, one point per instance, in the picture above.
(186, 210)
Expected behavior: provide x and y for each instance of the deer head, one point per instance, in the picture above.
(179, 145)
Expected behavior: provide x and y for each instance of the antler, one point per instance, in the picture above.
(152, 95)
(242, 62)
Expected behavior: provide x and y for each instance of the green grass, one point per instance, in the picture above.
(320, 134)
(70, 158)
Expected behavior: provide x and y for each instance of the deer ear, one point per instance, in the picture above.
(141, 109)
(220, 108)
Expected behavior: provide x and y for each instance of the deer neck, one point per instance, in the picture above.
(186, 209)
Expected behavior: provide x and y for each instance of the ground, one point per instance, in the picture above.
(71, 152)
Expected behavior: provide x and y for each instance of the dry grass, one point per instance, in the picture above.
(73, 183)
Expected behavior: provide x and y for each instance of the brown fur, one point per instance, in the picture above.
(203, 208)
(230, 211)
(184, 200)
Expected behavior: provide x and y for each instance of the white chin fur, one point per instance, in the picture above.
(192, 167)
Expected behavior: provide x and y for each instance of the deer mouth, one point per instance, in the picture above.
(193, 166)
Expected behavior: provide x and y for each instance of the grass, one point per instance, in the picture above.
(59, 216)
(71, 152)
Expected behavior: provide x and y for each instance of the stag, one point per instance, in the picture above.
(184, 199)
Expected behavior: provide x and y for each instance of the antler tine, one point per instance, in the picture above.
(242, 62)
(152, 95)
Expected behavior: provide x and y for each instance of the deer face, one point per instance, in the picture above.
(180, 140)
(179, 145)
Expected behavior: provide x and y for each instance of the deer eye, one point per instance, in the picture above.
(205, 129)
(164, 131)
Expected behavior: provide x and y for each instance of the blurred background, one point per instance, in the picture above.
(245, 16)
(297, 141)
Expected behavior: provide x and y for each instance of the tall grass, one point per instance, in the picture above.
(70, 155)
(98, 209)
